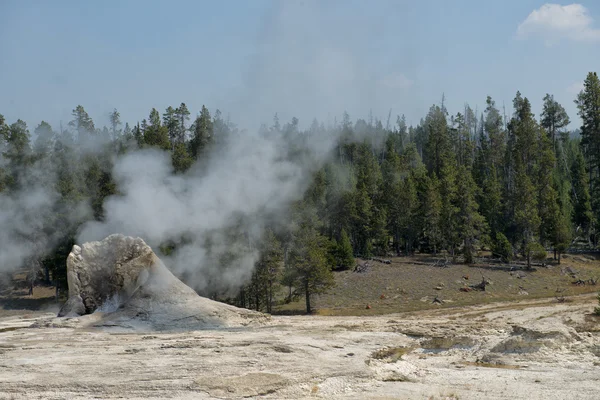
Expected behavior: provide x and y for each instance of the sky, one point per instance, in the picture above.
(302, 58)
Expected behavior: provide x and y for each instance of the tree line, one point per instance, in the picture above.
(455, 184)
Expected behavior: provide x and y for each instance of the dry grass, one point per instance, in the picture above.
(391, 354)
(411, 284)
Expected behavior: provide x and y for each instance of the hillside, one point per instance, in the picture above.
(412, 283)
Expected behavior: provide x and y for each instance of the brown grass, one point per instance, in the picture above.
(411, 284)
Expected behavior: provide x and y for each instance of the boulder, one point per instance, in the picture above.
(121, 278)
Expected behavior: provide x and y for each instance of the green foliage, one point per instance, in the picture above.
(502, 247)
(181, 158)
(308, 264)
(582, 206)
(554, 118)
(202, 133)
(267, 273)
(534, 251)
(470, 224)
(430, 213)
(449, 183)
(82, 122)
(588, 103)
(344, 254)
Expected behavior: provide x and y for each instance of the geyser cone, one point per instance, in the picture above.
(123, 279)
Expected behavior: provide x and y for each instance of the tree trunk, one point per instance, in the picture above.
(528, 261)
(555, 254)
(307, 295)
(47, 271)
(241, 302)
(269, 296)
(559, 258)
(257, 298)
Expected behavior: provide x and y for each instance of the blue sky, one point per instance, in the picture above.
(298, 58)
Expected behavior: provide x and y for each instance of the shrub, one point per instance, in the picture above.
(535, 251)
(502, 247)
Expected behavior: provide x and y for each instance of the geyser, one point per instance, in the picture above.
(124, 272)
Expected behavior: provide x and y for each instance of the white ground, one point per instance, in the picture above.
(527, 350)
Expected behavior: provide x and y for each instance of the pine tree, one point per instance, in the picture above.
(172, 121)
(430, 213)
(494, 129)
(408, 209)
(549, 209)
(437, 149)
(361, 215)
(18, 154)
(449, 210)
(202, 134)
(155, 134)
(470, 224)
(115, 122)
(344, 252)
(181, 158)
(183, 115)
(4, 133)
(268, 269)
(527, 220)
(562, 236)
(522, 196)
(583, 217)
(491, 202)
(308, 261)
(553, 118)
(588, 103)
(82, 122)
(44, 137)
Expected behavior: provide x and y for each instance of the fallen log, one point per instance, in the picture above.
(480, 286)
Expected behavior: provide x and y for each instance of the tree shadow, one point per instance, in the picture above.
(20, 303)
(291, 312)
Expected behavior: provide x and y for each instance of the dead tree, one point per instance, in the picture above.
(480, 286)
(362, 268)
(441, 263)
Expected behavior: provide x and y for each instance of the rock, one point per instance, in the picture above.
(549, 333)
(98, 272)
(73, 307)
(121, 278)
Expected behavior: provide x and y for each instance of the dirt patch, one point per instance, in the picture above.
(248, 385)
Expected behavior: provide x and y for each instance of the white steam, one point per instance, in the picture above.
(28, 230)
(211, 211)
